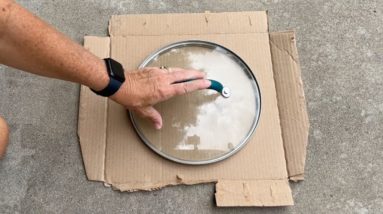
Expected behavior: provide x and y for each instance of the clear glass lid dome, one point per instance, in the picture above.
(204, 126)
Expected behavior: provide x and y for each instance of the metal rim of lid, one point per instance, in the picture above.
(244, 141)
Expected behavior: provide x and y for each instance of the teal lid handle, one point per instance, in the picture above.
(215, 85)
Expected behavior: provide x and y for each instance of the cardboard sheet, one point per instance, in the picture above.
(258, 174)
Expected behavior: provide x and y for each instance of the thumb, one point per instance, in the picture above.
(152, 114)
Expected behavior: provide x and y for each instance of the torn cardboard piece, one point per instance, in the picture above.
(261, 193)
(291, 101)
(113, 153)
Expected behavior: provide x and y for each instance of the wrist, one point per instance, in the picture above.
(115, 76)
(100, 77)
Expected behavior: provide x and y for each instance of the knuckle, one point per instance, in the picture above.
(162, 78)
(182, 89)
(136, 104)
(186, 88)
(162, 92)
(151, 72)
(193, 86)
(177, 75)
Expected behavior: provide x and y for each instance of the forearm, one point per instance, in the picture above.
(29, 44)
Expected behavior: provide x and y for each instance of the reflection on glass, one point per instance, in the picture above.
(203, 126)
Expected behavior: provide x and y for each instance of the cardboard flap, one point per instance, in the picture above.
(291, 101)
(92, 118)
(188, 24)
(231, 193)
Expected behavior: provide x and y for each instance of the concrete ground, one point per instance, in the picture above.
(341, 53)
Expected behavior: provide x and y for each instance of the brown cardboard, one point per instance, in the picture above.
(92, 118)
(291, 101)
(258, 174)
(253, 193)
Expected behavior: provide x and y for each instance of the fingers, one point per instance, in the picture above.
(151, 85)
(190, 86)
(179, 75)
(182, 81)
(152, 114)
(173, 75)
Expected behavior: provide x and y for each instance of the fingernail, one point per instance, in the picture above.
(157, 126)
(208, 83)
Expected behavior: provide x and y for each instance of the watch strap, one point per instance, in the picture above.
(114, 84)
(110, 89)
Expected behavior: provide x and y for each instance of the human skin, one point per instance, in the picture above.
(4, 134)
(28, 43)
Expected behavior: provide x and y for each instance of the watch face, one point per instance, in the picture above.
(115, 70)
(204, 126)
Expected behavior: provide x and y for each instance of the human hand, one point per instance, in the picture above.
(145, 87)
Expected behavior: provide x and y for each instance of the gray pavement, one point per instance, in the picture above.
(341, 52)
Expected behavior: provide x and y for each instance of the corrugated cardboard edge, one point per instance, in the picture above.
(92, 117)
(132, 187)
(214, 23)
(260, 193)
(291, 101)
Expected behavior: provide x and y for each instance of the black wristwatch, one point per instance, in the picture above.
(116, 78)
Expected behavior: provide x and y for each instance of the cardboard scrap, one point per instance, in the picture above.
(257, 175)
(291, 101)
(261, 193)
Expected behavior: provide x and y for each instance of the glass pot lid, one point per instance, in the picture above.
(204, 126)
